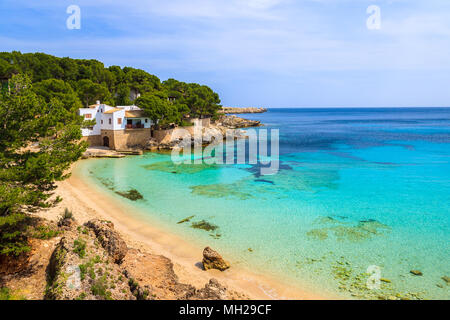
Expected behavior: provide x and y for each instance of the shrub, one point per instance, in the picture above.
(79, 247)
(67, 215)
(99, 288)
(44, 233)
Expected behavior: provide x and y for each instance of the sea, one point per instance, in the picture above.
(359, 206)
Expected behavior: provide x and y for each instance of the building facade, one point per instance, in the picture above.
(118, 128)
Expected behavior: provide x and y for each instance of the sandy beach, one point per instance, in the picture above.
(88, 202)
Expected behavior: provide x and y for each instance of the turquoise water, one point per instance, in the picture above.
(356, 187)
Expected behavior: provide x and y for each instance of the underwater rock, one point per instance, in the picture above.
(416, 272)
(446, 279)
(317, 234)
(204, 225)
(221, 191)
(342, 230)
(171, 167)
(131, 194)
(185, 220)
(265, 181)
(213, 260)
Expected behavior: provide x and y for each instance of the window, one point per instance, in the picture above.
(88, 116)
(119, 120)
(109, 121)
(101, 121)
(146, 120)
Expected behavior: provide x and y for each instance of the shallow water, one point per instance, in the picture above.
(356, 188)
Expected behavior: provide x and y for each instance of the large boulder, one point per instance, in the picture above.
(109, 238)
(213, 260)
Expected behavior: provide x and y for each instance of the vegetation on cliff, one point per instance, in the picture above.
(79, 82)
(40, 130)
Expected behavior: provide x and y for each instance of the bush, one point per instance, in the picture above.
(100, 288)
(13, 239)
(5, 294)
(44, 233)
(79, 247)
(67, 215)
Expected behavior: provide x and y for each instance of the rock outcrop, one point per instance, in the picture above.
(233, 122)
(213, 260)
(152, 277)
(81, 269)
(92, 262)
(109, 238)
(230, 110)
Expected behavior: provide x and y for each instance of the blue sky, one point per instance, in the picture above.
(272, 53)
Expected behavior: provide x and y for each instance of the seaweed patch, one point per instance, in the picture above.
(171, 167)
(131, 194)
(345, 231)
(221, 191)
(204, 225)
(185, 220)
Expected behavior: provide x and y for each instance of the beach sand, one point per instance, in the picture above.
(88, 202)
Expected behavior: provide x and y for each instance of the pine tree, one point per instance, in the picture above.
(37, 146)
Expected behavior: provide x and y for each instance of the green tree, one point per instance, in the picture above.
(89, 92)
(201, 100)
(140, 81)
(158, 108)
(53, 88)
(37, 147)
(122, 97)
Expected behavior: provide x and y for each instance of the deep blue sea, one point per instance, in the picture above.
(357, 189)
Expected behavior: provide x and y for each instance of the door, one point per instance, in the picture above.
(106, 142)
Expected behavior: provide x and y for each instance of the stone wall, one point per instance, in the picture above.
(163, 136)
(167, 136)
(93, 140)
(205, 123)
(126, 139)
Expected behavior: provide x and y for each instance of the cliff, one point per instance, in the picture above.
(93, 262)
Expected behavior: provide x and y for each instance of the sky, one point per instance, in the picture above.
(262, 53)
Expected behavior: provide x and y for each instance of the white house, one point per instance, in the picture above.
(119, 128)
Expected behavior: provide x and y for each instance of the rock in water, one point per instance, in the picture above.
(213, 260)
(446, 279)
(416, 272)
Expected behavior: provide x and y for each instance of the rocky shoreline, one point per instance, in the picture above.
(91, 261)
(233, 110)
(219, 127)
